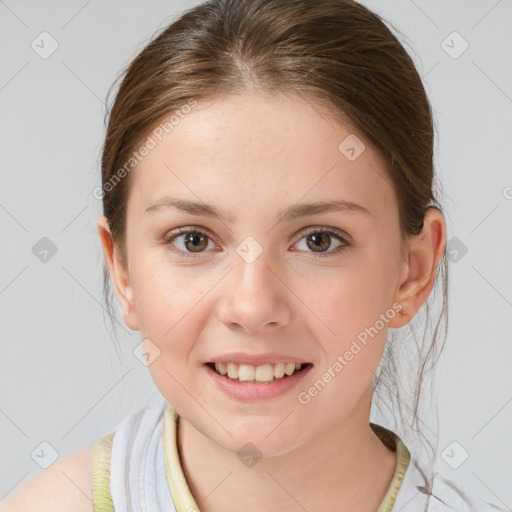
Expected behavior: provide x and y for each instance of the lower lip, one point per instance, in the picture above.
(250, 391)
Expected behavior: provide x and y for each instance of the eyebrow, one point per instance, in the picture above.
(287, 214)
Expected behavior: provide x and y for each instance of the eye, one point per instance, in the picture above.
(319, 240)
(196, 241)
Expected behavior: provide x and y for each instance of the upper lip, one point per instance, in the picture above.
(256, 359)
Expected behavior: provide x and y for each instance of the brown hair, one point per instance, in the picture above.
(336, 53)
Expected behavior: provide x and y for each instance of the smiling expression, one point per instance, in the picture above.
(262, 278)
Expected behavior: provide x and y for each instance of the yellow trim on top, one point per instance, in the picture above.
(182, 497)
(403, 457)
(100, 473)
(180, 492)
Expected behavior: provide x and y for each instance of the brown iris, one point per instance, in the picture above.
(321, 241)
(197, 240)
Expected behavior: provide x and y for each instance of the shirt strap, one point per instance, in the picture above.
(100, 473)
(403, 456)
(180, 492)
(184, 502)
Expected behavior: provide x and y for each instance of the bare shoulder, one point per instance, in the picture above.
(65, 486)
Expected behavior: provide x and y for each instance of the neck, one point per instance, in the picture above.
(345, 468)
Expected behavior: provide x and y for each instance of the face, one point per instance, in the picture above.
(314, 286)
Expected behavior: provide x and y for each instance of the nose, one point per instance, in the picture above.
(255, 298)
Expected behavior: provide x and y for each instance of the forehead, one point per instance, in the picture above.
(257, 147)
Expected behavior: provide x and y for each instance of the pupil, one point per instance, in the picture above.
(193, 238)
(318, 239)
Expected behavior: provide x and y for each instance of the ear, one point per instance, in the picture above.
(119, 275)
(425, 252)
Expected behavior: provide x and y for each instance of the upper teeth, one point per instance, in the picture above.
(264, 373)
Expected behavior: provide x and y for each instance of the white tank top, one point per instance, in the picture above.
(137, 468)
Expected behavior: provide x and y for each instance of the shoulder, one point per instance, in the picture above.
(65, 486)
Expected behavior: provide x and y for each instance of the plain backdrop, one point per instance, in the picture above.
(62, 384)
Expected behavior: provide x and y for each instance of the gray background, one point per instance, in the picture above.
(61, 380)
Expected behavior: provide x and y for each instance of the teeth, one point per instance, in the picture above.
(245, 373)
(263, 373)
(250, 373)
(289, 368)
(278, 370)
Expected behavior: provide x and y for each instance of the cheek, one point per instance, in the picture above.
(166, 292)
(357, 315)
(169, 309)
(348, 298)
(354, 303)
(170, 312)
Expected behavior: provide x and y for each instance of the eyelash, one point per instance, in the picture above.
(182, 231)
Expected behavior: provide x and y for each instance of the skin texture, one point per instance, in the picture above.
(63, 487)
(251, 156)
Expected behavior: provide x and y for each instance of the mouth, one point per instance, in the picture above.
(249, 374)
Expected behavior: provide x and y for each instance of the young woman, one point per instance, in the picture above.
(269, 215)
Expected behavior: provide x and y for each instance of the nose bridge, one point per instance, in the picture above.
(253, 297)
(251, 270)
(251, 273)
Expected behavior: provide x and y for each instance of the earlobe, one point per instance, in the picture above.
(425, 252)
(119, 275)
